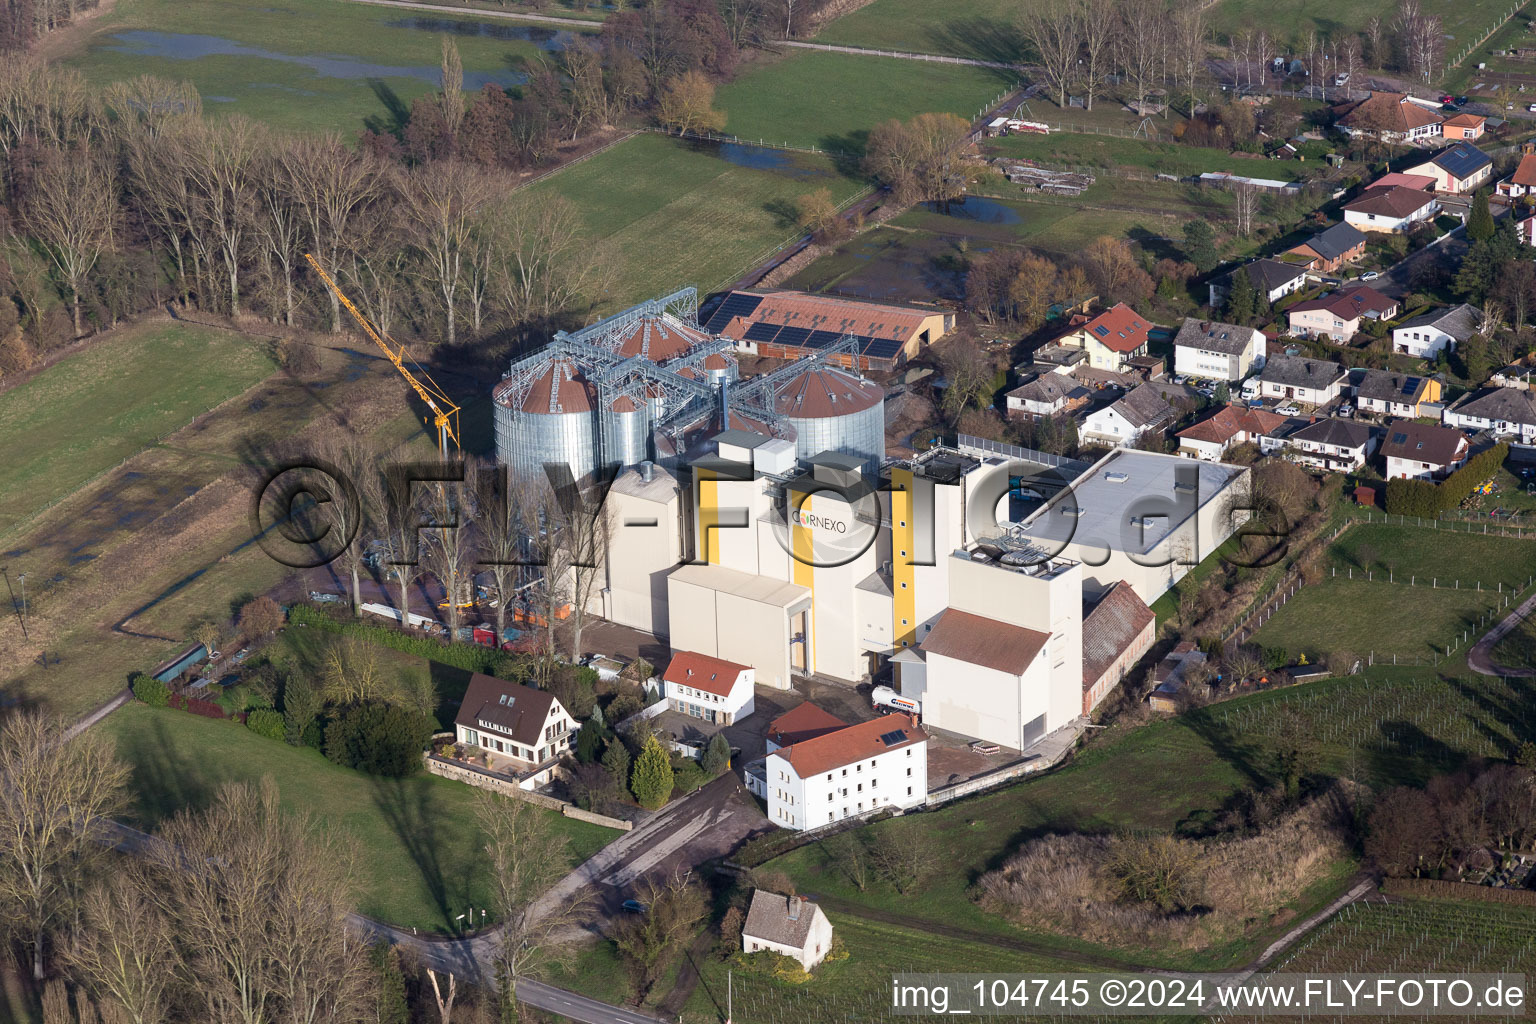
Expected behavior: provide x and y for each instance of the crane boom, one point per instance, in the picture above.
(444, 411)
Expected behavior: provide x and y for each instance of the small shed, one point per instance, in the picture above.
(1365, 496)
(790, 925)
(175, 668)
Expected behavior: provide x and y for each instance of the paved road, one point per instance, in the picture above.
(865, 51)
(1480, 657)
(546, 19)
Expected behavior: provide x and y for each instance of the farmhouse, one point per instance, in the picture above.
(1395, 394)
(1423, 451)
(1271, 278)
(1391, 209)
(1048, 394)
(1328, 251)
(1206, 348)
(792, 926)
(1337, 316)
(715, 690)
(1392, 117)
(860, 768)
(1333, 445)
(1116, 633)
(1134, 414)
(788, 324)
(1458, 168)
(1427, 335)
(525, 726)
(1505, 412)
(1231, 425)
(1311, 381)
(1111, 338)
(1522, 182)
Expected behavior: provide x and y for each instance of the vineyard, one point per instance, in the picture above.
(1415, 936)
(1393, 732)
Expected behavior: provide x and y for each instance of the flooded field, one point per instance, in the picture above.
(889, 265)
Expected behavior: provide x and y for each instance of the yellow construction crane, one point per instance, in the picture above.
(445, 414)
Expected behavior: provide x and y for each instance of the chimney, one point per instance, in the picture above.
(647, 471)
(794, 908)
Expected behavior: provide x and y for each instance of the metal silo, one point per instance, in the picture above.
(626, 427)
(833, 410)
(548, 420)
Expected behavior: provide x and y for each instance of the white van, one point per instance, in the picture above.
(1250, 388)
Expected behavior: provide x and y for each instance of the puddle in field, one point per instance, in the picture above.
(186, 46)
(794, 165)
(548, 39)
(978, 209)
(218, 99)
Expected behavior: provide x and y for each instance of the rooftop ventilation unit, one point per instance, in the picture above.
(1184, 486)
(1072, 510)
(1116, 477)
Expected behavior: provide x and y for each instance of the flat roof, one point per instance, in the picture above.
(1099, 505)
(759, 589)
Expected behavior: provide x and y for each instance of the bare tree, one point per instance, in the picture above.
(72, 208)
(453, 86)
(527, 856)
(147, 104)
(674, 909)
(1142, 39)
(444, 201)
(1245, 204)
(1055, 30)
(123, 948)
(279, 218)
(55, 792)
(401, 521)
(334, 185)
(449, 547)
(547, 265)
(1190, 32)
(1097, 21)
(503, 531)
(221, 168)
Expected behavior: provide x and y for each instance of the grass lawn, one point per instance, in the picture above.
(1290, 21)
(1518, 647)
(1141, 154)
(984, 29)
(831, 101)
(421, 862)
(91, 411)
(304, 64)
(680, 213)
(1360, 616)
(1446, 554)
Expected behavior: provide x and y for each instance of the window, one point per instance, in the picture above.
(909, 791)
(829, 815)
(861, 787)
(845, 773)
(829, 798)
(903, 622)
(909, 773)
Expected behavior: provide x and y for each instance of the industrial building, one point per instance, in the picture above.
(789, 324)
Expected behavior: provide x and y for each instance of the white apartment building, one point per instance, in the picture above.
(1205, 348)
(708, 688)
(871, 766)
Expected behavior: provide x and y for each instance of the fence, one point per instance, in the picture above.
(572, 163)
(1517, 531)
(865, 51)
(1471, 48)
(506, 787)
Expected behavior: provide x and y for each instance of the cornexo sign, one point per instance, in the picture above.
(812, 521)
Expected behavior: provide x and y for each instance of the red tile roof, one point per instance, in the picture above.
(803, 722)
(1231, 420)
(1390, 112)
(1422, 182)
(825, 313)
(989, 643)
(854, 743)
(1349, 303)
(1118, 328)
(700, 671)
(1525, 174)
(1111, 629)
(1466, 120)
(1396, 201)
(573, 391)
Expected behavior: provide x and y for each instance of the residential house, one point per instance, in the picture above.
(1525, 228)
(715, 690)
(1459, 168)
(1328, 251)
(1464, 126)
(1392, 117)
(1271, 278)
(1054, 358)
(527, 727)
(1333, 445)
(1168, 675)
(1515, 375)
(1395, 208)
(1309, 381)
(1389, 393)
(878, 764)
(1338, 315)
(804, 721)
(1048, 394)
(1111, 338)
(1135, 413)
(1522, 182)
(1393, 179)
(1423, 451)
(1427, 335)
(1206, 348)
(1231, 425)
(791, 926)
(1116, 633)
(1504, 412)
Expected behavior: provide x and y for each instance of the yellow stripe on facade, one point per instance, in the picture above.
(903, 573)
(709, 517)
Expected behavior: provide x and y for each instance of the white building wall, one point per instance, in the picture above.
(1422, 342)
(817, 942)
(896, 778)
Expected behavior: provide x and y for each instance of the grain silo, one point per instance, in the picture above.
(544, 415)
(833, 410)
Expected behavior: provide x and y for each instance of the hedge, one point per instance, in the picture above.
(1435, 889)
(265, 722)
(151, 690)
(469, 657)
(1424, 498)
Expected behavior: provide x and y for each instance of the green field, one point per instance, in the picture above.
(420, 847)
(983, 29)
(136, 387)
(1444, 554)
(1517, 648)
(830, 101)
(1288, 22)
(303, 64)
(679, 213)
(1111, 151)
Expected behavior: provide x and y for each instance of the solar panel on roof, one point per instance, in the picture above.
(882, 348)
(821, 339)
(890, 739)
(793, 336)
(735, 304)
(762, 331)
(1399, 438)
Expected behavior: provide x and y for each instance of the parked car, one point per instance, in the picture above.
(1346, 411)
(1341, 79)
(634, 906)
(1289, 409)
(319, 598)
(1370, 275)
(1447, 98)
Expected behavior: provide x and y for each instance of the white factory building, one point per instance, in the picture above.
(882, 763)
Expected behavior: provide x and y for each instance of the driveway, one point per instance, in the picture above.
(1446, 250)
